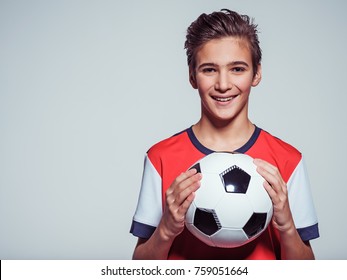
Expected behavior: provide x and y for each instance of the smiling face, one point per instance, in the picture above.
(224, 76)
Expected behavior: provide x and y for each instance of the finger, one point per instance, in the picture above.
(276, 182)
(182, 210)
(179, 212)
(271, 174)
(182, 177)
(272, 193)
(265, 166)
(179, 179)
(185, 184)
(186, 188)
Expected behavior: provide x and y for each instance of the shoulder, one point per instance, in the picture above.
(174, 154)
(279, 145)
(166, 149)
(169, 145)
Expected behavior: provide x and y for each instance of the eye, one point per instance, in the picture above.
(208, 70)
(238, 69)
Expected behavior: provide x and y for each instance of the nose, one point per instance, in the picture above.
(223, 82)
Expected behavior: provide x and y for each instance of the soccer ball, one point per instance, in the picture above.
(231, 207)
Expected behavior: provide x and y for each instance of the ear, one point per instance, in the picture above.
(257, 77)
(192, 78)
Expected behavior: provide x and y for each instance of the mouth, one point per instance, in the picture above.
(224, 99)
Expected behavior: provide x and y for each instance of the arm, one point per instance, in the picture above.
(292, 246)
(178, 199)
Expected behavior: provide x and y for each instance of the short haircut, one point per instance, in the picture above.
(218, 25)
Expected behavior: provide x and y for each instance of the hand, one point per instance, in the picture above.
(277, 190)
(179, 196)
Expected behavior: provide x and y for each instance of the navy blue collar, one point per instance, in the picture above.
(240, 150)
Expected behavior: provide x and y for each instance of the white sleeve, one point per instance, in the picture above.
(149, 207)
(300, 198)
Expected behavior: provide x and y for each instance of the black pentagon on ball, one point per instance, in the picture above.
(206, 221)
(255, 224)
(235, 180)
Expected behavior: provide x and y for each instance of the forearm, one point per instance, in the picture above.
(293, 248)
(179, 196)
(157, 247)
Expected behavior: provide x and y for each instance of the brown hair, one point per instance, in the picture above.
(218, 25)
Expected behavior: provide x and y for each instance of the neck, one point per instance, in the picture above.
(223, 137)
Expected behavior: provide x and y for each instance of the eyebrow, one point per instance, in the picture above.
(233, 63)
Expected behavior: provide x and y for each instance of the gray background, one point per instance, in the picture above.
(86, 87)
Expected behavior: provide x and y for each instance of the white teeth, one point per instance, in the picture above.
(225, 99)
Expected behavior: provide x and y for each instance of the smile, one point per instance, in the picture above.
(223, 99)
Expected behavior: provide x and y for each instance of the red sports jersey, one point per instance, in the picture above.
(170, 157)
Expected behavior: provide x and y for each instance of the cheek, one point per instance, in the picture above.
(243, 83)
(205, 84)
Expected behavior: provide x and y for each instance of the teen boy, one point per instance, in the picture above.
(224, 64)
